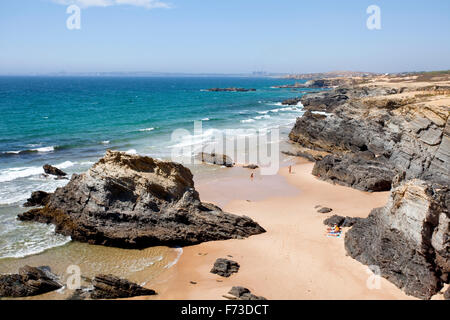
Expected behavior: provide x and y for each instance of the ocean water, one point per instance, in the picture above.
(70, 122)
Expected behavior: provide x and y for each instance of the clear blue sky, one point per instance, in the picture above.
(231, 36)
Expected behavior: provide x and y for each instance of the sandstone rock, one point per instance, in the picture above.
(30, 281)
(251, 166)
(408, 238)
(133, 201)
(112, 287)
(38, 198)
(225, 267)
(291, 102)
(48, 169)
(215, 158)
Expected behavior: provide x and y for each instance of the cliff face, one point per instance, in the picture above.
(133, 201)
(379, 138)
(380, 128)
(408, 239)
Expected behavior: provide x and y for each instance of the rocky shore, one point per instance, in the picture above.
(380, 137)
(132, 201)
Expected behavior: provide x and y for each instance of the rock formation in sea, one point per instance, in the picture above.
(38, 198)
(233, 89)
(30, 281)
(48, 169)
(134, 201)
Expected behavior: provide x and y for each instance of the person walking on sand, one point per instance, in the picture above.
(251, 176)
(290, 169)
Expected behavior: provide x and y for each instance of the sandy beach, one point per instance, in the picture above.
(294, 259)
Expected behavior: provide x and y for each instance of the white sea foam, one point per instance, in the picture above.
(105, 142)
(44, 149)
(36, 239)
(205, 119)
(146, 129)
(248, 121)
(266, 116)
(131, 151)
(174, 262)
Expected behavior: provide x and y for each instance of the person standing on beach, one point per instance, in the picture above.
(251, 176)
(290, 169)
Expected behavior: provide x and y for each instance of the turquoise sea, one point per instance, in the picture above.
(69, 122)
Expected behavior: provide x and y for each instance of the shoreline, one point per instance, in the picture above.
(294, 259)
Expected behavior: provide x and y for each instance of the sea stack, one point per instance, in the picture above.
(134, 201)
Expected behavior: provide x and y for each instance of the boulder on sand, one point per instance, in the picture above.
(225, 267)
(112, 287)
(30, 281)
(133, 201)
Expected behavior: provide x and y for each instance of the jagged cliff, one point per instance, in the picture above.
(380, 138)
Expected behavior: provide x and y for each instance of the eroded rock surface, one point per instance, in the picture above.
(377, 132)
(225, 267)
(134, 202)
(30, 281)
(408, 239)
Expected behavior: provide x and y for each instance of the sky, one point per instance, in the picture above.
(233, 36)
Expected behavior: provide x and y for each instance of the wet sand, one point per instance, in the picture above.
(294, 259)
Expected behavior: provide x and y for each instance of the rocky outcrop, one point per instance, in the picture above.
(408, 239)
(48, 169)
(251, 166)
(340, 221)
(241, 293)
(215, 158)
(356, 171)
(291, 102)
(38, 198)
(225, 267)
(230, 89)
(30, 281)
(370, 131)
(133, 201)
(112, 287)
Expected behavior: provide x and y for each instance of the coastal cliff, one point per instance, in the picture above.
(133, 201)
(383, 136)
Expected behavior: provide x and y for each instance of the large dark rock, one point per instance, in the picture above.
(135, 202)
(397, 133)
(355, 171)
(215, 158)
(112, 287)
(408, 239)
(48, 169)
(38, 198)
(30, 281)
(225, 267)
